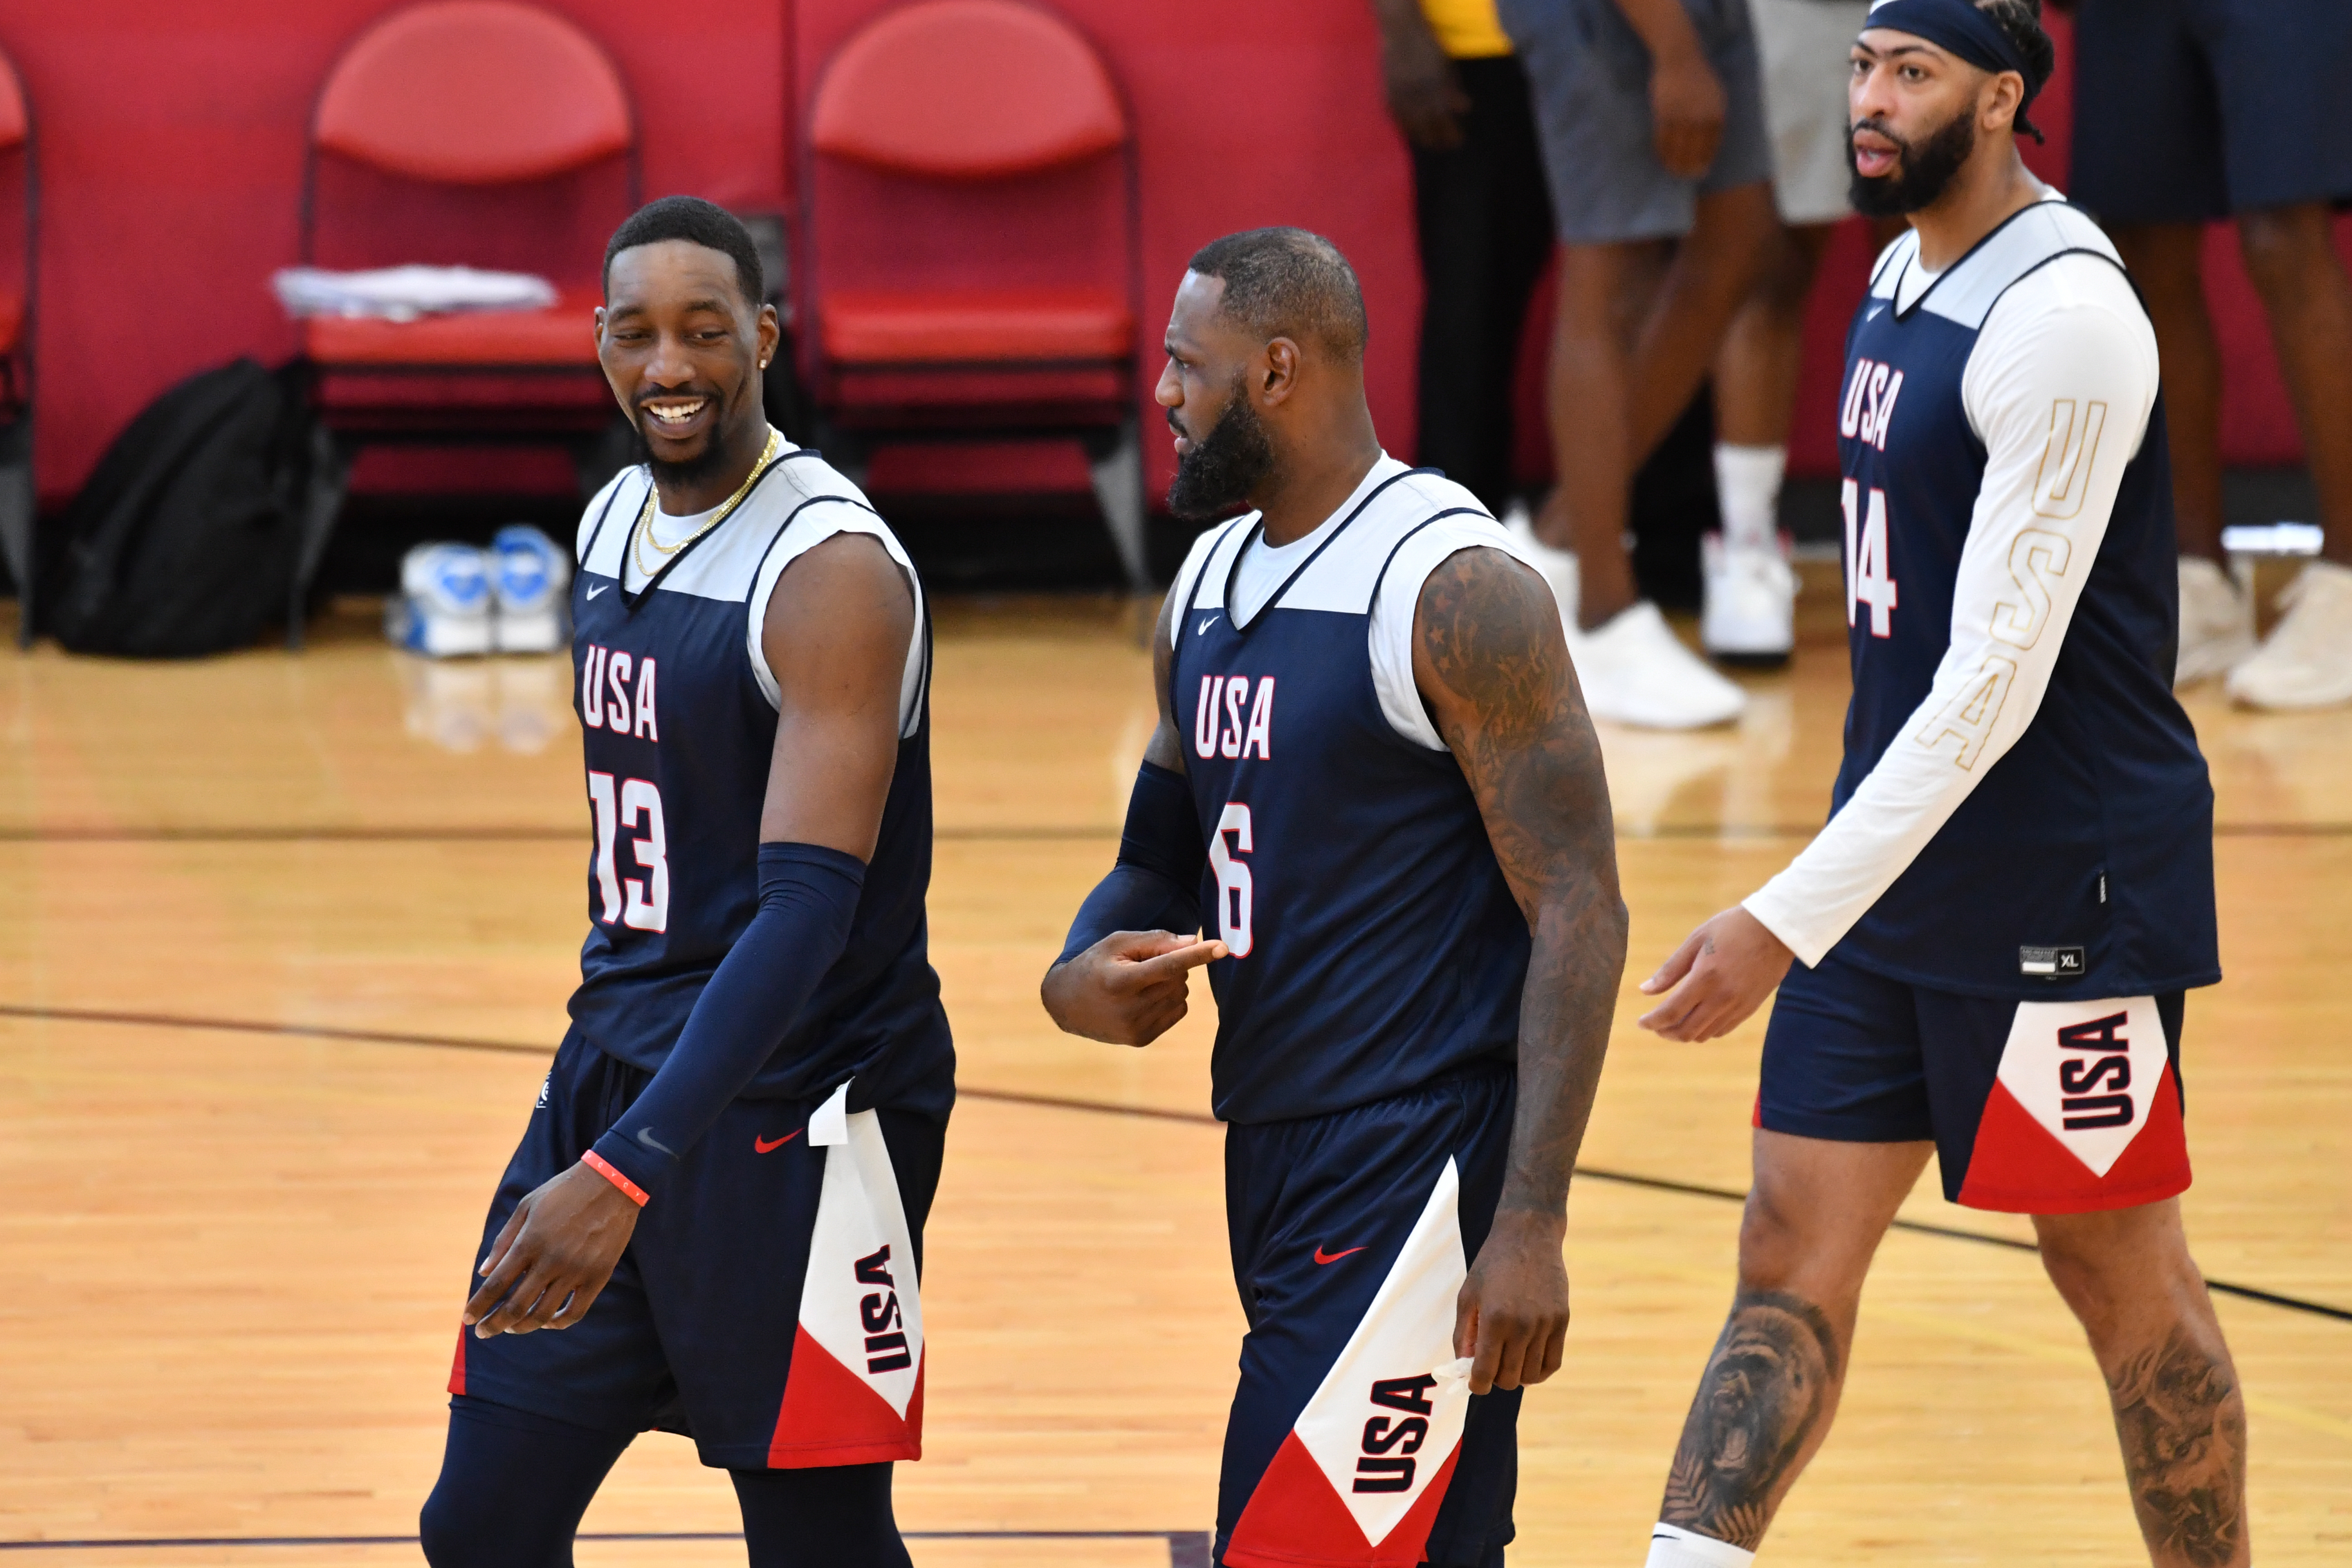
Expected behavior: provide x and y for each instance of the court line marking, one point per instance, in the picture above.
(1047, 832)
(1053, 1103)
(1185, 1547)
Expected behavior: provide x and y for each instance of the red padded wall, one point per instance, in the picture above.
(172, 146)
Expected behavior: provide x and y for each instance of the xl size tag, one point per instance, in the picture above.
(2051, 963)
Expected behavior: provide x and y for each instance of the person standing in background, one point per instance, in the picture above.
(1651, 121)
(1751, 595)
(2188, 111)
(1483, 219)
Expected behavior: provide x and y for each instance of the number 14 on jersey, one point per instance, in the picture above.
(1867, 580)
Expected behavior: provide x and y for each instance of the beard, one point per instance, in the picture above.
(1225, 466)
(1927, 168)
(705, 464)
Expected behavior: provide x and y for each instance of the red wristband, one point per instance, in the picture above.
(603, 1167)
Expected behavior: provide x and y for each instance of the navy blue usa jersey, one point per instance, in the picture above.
(2013, 750)
(1375, 945)
(678, 712)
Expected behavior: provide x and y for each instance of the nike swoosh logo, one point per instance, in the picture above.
(1203, 628)
(1321, 1256)
(763, 1145)
(645, 1136)
(598, 588)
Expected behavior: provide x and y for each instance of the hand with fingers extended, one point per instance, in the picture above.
(1129, 989)
(553, 1257)
(1721, 973)
(1511, 1317)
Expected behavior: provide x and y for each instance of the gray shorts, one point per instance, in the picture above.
(1806, 50)
(1590, 75)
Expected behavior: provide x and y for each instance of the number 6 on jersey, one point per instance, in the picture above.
(1235, 888)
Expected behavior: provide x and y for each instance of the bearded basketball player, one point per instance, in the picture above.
(1373, 769)
(1994, 933)
(713, 1223)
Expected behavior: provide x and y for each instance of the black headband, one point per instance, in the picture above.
(1966, 32)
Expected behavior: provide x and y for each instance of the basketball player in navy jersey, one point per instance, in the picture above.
(713, 1221)
(1995, 931)
(1374, 771)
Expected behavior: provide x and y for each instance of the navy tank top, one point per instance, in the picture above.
(1375, 945)
(678, 712)
(2084, 858)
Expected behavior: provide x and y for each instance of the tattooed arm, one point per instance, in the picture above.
(1490, 661)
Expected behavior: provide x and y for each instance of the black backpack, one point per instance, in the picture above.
(184, 541)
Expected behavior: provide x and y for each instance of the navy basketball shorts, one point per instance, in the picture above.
(2187, 111)
(2056, 1107)
(1354, 1439)
(766, 1305)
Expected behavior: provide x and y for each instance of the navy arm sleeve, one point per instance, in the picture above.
(807, 897)
(1156, 885)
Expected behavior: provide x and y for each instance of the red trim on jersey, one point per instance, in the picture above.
(2018, 1167)
(603, 1167)
(457, 1363)
(830, 1416)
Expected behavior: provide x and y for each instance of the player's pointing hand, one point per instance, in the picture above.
(1721, 973)
(1129, 989)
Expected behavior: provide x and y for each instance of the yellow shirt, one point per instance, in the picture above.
(1467, 29)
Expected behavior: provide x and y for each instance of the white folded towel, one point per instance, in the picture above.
(405, 293)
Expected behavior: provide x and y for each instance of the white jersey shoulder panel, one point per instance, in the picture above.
(1966, 291)
(823, 503)
(1375, 566)
(801, 503)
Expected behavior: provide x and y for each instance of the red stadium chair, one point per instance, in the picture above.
(19, 193)
(970, 238)
(484, 133)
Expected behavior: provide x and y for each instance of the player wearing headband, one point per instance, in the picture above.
(2015, 888)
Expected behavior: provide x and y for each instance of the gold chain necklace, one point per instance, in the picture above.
(643, 533)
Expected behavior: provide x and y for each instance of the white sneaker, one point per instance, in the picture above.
(2217, 622)
(2307, 662)
(1635, 670)
(1750, 614)
(444, 607)
(1557, 566)
(528, 584)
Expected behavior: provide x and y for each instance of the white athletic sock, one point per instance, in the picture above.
(1747, 491)
(1671, 1546)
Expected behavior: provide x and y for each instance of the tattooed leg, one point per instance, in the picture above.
(2180, 1414)
(1763, 1406)
(2183, 1425)
(1814, 1217)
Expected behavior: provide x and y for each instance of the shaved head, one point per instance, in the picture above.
(1288, 282)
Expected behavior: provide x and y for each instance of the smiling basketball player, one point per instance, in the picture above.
(713, 1223)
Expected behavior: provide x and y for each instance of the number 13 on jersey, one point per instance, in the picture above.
(642, 902)
(1868, 580)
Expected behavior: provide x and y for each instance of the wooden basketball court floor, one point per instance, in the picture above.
(284, 946)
